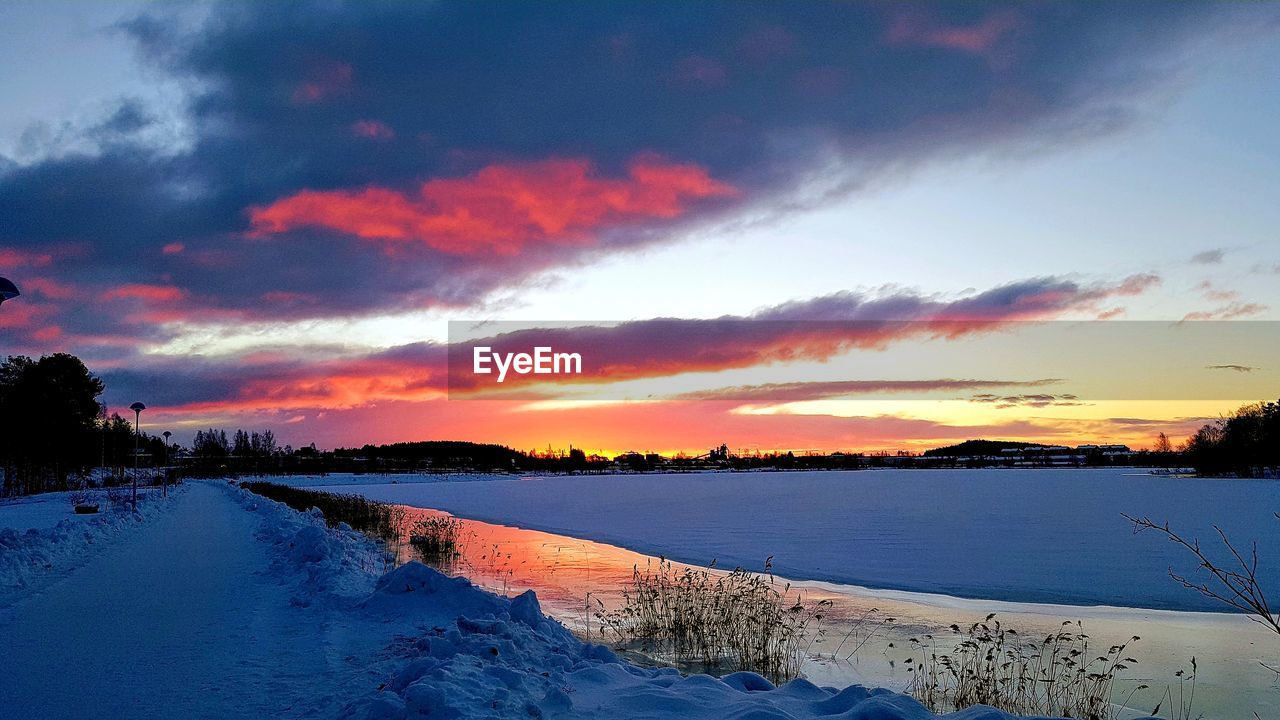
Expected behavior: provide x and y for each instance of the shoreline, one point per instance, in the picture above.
(935, 597)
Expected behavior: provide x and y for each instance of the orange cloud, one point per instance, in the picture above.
(336, 384)
(502, 208)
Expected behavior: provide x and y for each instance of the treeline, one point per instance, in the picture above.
(55, 429)
(1244, 444)
(439, 453)
(213, 452)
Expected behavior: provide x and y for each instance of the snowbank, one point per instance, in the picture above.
(324, 563)
(495, 657)
(30, 556)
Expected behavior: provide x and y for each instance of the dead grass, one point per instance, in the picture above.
(719, 622)
(990, 664)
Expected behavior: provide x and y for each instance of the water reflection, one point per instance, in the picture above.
(865, 635)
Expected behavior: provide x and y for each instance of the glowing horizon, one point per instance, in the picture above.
(245, 237)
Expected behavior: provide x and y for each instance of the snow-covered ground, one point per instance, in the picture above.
(1046, 536)
(44, 511)
(41, 537)
(225, 605)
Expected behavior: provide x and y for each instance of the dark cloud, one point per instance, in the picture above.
(1035, 400)
(803, 391)
(129, 118)
(766, 99)
(334, 377)
(1234, 368)
(1208, 257)
(813, 329)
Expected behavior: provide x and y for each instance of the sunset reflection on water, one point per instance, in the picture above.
(865, 633)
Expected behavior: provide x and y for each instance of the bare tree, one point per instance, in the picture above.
(1163, 446)
(1236, 587)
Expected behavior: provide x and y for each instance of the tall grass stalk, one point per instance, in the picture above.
(437, 540)
(379, 520)
(1061, 675)
(722, 622)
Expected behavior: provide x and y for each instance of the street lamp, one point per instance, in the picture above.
(8, 290)
(166, 435)
(137, 409)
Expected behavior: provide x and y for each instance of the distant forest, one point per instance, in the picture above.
(1240, 444)
(978, 448)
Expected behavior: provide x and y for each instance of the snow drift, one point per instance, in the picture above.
(502, 658)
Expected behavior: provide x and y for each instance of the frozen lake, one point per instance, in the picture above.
(860, 644)
(1043, 536)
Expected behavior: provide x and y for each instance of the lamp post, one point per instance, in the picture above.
(137, 409)
(8, 290)
(167, 435)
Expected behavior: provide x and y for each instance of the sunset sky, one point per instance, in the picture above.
(265, 215)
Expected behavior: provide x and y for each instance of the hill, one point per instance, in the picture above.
(971, 448)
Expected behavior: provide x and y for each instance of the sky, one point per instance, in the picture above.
(268, 215)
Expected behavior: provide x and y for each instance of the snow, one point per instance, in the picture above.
(178, 618)
(41, 536)
(42, 511)
(490, 656)
(226, 605)
(1041, 536)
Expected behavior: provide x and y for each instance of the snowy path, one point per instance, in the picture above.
(178, 619)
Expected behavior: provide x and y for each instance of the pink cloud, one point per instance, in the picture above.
(372, 129)
(11, 258)
(325, 80)
(21, 315)
(47, 334)
(1210, 292)
(1231, 311)
(141, 291)
(49, 288)
(912, 28)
